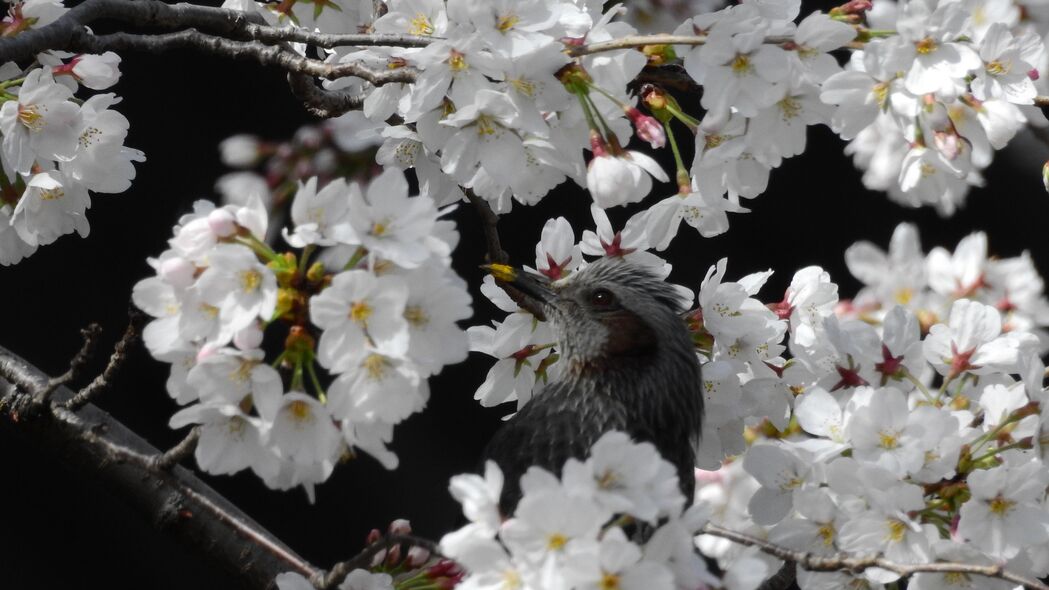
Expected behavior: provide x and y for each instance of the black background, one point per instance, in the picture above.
(59, 531)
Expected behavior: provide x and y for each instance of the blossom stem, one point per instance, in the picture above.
(304, 259)
(312, 370)
(1022, 444)
(296, 375)
(606, 129)
(258, 247)
(684, 183)
(356, 258)
(12, 82)
(920, 386)
(586, 112)
(691, 122)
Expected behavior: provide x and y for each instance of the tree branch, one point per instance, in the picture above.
(266, 55)
(635, 41)
(856, 564)
(116, 361)
(320, 102)
(91, 442)
(496, 254)
(231, 24)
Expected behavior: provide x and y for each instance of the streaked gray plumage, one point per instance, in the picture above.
(629, 365)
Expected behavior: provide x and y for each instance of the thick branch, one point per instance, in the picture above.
(857, 564)
(90, 441)
(266, 55)
(231, 24)
(320, 102)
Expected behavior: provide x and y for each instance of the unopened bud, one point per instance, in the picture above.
(1045, 176)
(648, 128)
(177, 272)
(417, 556)
(239, 151)
(401, 526)
(1033, 74)
(373, 537)
(315, 273)
(222, 223)
(394, 556)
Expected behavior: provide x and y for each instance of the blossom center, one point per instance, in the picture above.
(235, 426)
(608, 480)
(420, 25)
(250, 280)
(379, 228)
(241, 374)
(300, 411)
(30, 116)
(416, 316)
(888, 440)
(609, 582)
(507, 22)
(360, 311)
(51, 194)
(375, 365)
(997, 68)
(525, 87)
(485, 125)
(790, 108)
(457, 61)
(897, 529)
(89, 136)
(826, 532)
(556, 542)
(741, 65)
(1000, 506)
(926, 46)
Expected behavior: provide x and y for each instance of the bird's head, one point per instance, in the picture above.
(609, 314)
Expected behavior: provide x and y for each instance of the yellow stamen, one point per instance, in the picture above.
(360, 311)
(250, 280)
(420, 25)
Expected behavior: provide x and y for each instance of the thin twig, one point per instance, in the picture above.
(177, 453)
(857, 564)
(496, 254)
(116, 361)
(90, 335)
(634, 41)
(331, 579)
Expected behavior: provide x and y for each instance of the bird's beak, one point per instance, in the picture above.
(528, 284)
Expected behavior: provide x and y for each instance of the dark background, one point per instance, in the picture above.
(60, 531)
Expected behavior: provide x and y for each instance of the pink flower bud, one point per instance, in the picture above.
(395, 555)
(401, 526)
(373, 536)
(418, 556)
(177, 272)
(648, 128)
(222, 223)
(1033, 74)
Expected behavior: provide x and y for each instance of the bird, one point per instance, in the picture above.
(630, 365)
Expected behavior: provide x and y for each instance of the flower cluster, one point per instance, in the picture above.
(927, 105)
(908, 421)
(495, 88)
(381, 295)
(56, 148)
(562, 534)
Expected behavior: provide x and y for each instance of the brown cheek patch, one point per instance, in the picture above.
(628, 335)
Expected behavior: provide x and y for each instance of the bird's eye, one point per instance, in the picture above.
(602, 298)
